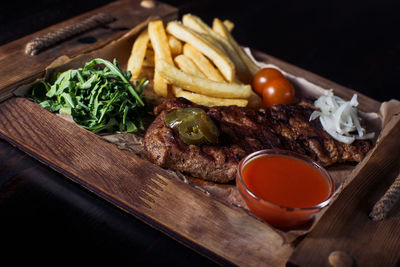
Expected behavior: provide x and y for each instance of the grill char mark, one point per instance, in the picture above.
(243, 131)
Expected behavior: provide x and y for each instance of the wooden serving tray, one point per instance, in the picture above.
(127, 14)
(215, 229)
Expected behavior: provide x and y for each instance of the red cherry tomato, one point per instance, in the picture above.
(263, 76)
(278, 91)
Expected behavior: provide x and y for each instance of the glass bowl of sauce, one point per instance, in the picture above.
(283, 188)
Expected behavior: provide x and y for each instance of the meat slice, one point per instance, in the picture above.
(213, 163)
(243, 131)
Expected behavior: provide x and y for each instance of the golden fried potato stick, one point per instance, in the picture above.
(202, 63)
(218, 57)
(160, 86)
(185, 64)
(213, 41)
(138, 53)
(197, 24)
(229, 24)
(202, 85)
(175, 90)
(159, 41)
(210, 101)
(175, 45)
(149, 58)
(200, 26)
(219, 27)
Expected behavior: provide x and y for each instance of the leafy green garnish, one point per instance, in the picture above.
(100, 99)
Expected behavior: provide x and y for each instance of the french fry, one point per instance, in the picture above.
(175, 45)
(218, 57)
(159, 41)
(210, 101)
(175, 90)
(149, 58)
(135, 61)
(160, 85)
(229, 25)
(212, 41)
(186, 65)
(219, 27)
(194, 61)
(202, 63)
(200, 26)
(201, 85)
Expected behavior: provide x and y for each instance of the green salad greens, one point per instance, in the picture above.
(100, 97)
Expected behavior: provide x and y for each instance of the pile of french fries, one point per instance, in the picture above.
(193, 60)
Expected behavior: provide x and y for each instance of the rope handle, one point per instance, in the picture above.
(386, 202)
(42, 42)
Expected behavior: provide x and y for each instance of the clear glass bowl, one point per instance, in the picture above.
(276, 215)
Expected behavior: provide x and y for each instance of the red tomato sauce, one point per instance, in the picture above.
(286, 181)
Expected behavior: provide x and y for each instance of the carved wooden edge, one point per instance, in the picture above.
(353, 205)
(215, 229)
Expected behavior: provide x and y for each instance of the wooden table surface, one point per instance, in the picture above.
(47, 219)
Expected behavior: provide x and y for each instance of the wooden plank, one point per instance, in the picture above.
(128, 14)
(141, 188)
(346, 226)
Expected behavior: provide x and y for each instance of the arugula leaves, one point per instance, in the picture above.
(100, 99)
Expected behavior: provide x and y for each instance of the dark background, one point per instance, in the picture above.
(353, 43)
(46, 219)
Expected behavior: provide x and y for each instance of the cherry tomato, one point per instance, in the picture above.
(263, 76)
(278, 91)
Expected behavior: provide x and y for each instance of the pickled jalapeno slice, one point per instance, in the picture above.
(208, 128)
(193, 125)
(190, 133)
(172, 119)
(178, 116)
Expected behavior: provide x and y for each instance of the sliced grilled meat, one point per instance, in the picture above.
(243, 131)
(213, 163)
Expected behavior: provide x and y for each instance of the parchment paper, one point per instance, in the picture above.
(227, 193)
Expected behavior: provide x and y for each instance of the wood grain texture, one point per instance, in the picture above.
(346, 225)
(221, 232)
(141, 188)
(128, 14)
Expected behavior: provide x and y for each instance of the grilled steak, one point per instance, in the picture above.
(243, 131)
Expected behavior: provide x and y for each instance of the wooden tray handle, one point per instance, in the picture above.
(386, 202)
(42, 42)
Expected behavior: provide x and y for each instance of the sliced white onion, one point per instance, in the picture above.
(339, 118)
